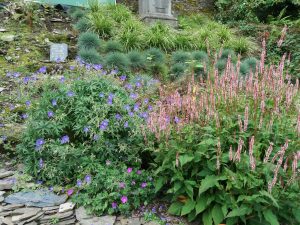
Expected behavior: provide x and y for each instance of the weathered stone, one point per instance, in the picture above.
(39, 198)
(68, 206)
(32, 223)
(7, 37)
(17, 212)
(1, 199)
(152, 223)
(81, 214)
(103, 220)
(67, 222)
(10, 207)
(7, 221)
(6, 185)
(28, 214)
(51, 212)
(130, 221)
(59, 216)
(33, 219)
(2, 193)
(51, 208)
(58, 52)
(4, 173)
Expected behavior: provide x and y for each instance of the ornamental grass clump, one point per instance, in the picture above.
(117, 60)
(89, 40)
(227, 150)
(137, 60)
(113, 46)
(90, 56)
(181, 57)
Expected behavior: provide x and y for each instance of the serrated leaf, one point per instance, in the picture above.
(207, 218)
(243, 210)
(188, 207)
(175, 208)
(201, 204)
(184, 159)
(217, 214)
(270, 217)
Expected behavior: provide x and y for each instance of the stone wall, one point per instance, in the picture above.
(179, 6)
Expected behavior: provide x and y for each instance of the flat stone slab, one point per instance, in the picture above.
(39, 198)
(28, 213)
(10, 207)
(4, 173)
(6, 184)
(103, 220)
(68, 206)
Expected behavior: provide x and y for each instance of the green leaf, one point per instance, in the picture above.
(159, 183)
(201, 204)
(296, 213)
(243, 210)
(207, 183)
(217, 214)
(184, 159)
(270, 217)
(206, 218)
(267, 194)
(175, 208)
(188, 207)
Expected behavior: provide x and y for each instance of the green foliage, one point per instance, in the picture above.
(159, 71)
(245, 68)
(88, 126)
(160, 36)
(241, 45)
(181, 57)
(83, 25)
(90, 56)
(200, 56)
(110, 184)
(177, 70)
(137, 60)
(226, 53)
(77, 14)
(117, 60)
(113, 46)
(119, 13)
(89, 40)
(155, 56)
(221, 64)
(101, 25)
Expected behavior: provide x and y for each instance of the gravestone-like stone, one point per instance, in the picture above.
(58, 52)
(152, 11)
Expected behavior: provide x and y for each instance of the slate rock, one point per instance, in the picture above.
(60, 216)
(103, 220)
(1, 199)
(10, 207)
(6, 184)
(7, 37)
(81, 214)
(27, 215)
(4, 173)
(68, 206)
(130, 221)
(39, 198)
(2, 193)
(67, 222)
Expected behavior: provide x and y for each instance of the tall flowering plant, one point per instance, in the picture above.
(229, 148)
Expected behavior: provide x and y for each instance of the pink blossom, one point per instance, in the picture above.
(124, 199)
(129, 170)
(70, 192)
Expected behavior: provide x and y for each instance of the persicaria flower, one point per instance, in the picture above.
(50, 114)
(143, 185)
(122, 185)
(124, 199)
(129, 170)
(65, 139)
(114, 205)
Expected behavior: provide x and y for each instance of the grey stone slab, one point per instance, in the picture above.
(51, 208)
(103, 220)
(2, 193)
(81, 214)
(33, 219)
(1, 199)
(4, 173)
(39, 198)
(59, 216)
(58, 52)
(6, 184)
(10, 207)
(29, 213)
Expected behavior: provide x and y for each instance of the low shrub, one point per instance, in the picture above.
(155, 56)
(226, 53)
(75, 127)
(177, 70)
(159, 71)
(137, 60)
(83, 25)
(181, 57)
(89, 40)
(200, 56)
(221, 65)
(90, 56)
(245, 68)
(116, 189)
(77, 14)
(117, 60)
(113, 46)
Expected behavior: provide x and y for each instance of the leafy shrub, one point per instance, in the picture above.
(155, 55)
(241, 45)
(119, 13)
(230, 155)
(90, 56)
(180, 57)
(113, 46)
(177, 70)
(83, 25)
(137, 60)
(117, 60)
(76, 127)
(185, 41)
(116, 189)
(252, 62)
(159, 71)
(89, 40)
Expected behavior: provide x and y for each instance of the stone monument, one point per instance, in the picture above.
(58, 52)
(152, 11)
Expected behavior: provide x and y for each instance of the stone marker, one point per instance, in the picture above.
(58, 52)
(39, 198)
(152, 11)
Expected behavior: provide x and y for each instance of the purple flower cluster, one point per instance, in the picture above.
(64, 139)
(39, 143)
(104, 124)
(110, 99)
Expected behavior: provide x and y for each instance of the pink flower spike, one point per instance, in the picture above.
(124, 199)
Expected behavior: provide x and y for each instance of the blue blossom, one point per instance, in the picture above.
(150, 108)
(54, 102)
(86, 129)
(24, 116)
(88, 179)
(39, 143)
(104, 125)
(11, 107)
(8, 74)
(50, 114)
(43, 69)
(27, 103)
(62, 79)
(65, 139)
(176, 119)
(110, 99)
(136, 107)
(96, 137)
(16, 75)
(41, 163)
(113, 72)
(123, 77)
(127, 107)
(131, 114)
(1, 125)
(70, 94)
(72, 67)
(128, 86)
(26, 80)
(118, 117)
(101, 95)
(39, 182)
(97, 67)
(138, 84)
(146, 100)
(79, 183)
(144, 115)
(133, 95)
(126, 124)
